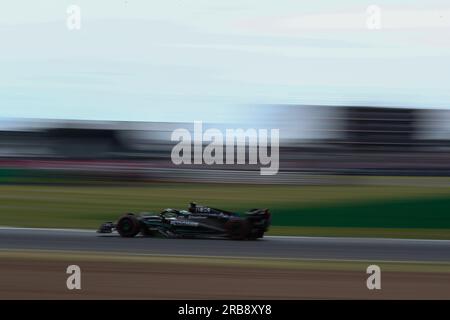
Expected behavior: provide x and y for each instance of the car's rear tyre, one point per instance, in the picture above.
(128, 226)
(238, 229)
(256, 235)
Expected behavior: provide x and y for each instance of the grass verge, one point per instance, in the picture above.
(362, 211)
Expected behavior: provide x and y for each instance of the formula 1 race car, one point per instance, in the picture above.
(196, 222)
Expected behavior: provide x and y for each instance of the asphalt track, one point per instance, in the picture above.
(269, 247)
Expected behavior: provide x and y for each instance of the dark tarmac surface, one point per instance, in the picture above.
(269, 247)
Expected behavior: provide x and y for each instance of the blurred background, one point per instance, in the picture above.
(86, 113)
(314, 141)
(91, 91)
(349, 170)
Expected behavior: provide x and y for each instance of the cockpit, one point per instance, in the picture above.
(173, 213)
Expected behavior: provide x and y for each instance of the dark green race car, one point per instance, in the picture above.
(196, 222)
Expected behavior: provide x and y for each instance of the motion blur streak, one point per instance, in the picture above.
(349, 176)
(344, 170)
(314, 139)
(131, 280)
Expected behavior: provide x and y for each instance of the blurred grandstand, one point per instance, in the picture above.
(314, 141)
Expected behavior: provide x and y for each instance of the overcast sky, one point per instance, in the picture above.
(185, 60)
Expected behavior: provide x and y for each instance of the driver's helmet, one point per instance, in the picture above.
(169, 213)
(184, 213)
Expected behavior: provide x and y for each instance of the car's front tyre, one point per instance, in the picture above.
(128, 226)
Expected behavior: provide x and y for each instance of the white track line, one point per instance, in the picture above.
(47, 229)
(265, 237)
